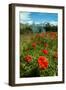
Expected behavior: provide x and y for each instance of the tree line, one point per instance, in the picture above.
(26, 28)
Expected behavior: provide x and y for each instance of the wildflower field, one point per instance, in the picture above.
(39, 54)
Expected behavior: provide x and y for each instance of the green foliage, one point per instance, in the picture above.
(25, 28)
(34, 28)
(50, 28)
(31, 69)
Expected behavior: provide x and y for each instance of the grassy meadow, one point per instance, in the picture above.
(38, 54)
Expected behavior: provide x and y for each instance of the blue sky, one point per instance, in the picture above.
(37, 17)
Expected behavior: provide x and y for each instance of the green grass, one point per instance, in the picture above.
(32, 69)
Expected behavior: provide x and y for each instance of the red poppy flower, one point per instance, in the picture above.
(27, 49)
(53, 35)
(33, 45)
(28, 58)
(37, 35)
(42, 62)
(42, 34)
(45, 45)
(45, 51)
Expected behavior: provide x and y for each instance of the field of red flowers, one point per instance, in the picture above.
(39, 55)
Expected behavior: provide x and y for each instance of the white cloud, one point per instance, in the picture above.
(30, 22)
(25, 17)
(54, 22)
(24, 22)
(37, 22)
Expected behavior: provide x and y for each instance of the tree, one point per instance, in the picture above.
(49, 27)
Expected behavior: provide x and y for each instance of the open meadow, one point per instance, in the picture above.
(39, 54)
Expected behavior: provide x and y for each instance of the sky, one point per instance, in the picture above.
(37, 17)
